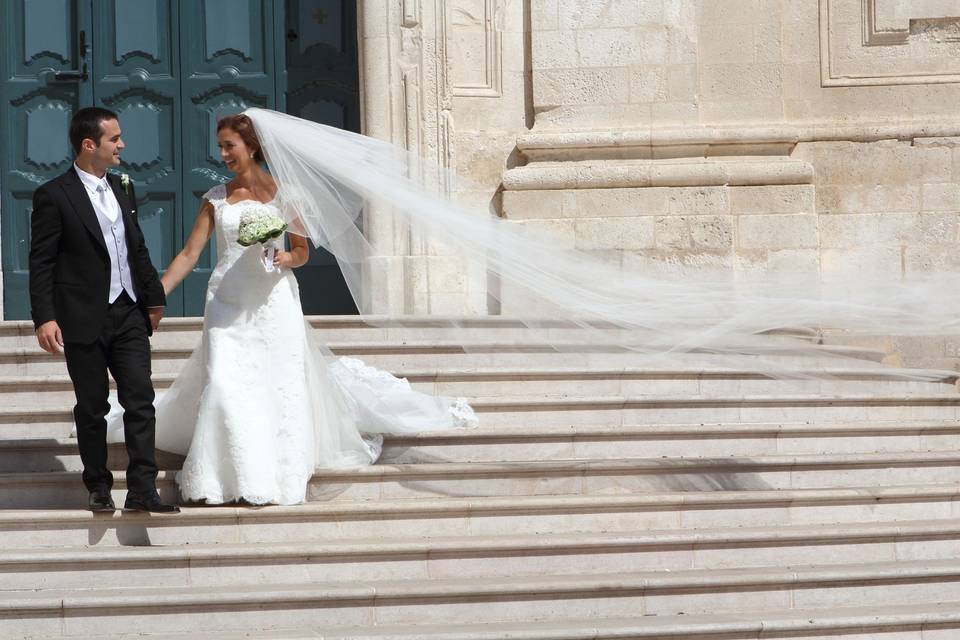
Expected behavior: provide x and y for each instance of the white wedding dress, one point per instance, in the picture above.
(261, 404)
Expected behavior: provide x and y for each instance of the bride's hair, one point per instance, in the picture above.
(243, 127)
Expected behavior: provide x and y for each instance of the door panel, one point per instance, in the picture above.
(136, 74)
(227, 65)
(39, 38)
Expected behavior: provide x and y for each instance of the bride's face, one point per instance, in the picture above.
(234, 153)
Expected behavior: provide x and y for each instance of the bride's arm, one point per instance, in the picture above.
(181, 266)
(296, 257)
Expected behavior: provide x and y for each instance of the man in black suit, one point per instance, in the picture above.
(95, 294)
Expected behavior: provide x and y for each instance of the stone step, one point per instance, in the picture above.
(185, 332)
(34, 423)
(612, 410)
(657, 441)
(31, 361)
(475, 556)
(57, 391)
(933, 621)
(65, 612)
(554, 477)
(35, 527)
(551, 443)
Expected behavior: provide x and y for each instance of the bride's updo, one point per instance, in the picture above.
(243, 127)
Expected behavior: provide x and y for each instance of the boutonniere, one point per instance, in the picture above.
(125, 182)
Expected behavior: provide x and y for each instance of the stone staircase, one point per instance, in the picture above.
(598, 499)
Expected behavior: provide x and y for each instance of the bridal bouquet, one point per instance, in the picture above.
(259, 225)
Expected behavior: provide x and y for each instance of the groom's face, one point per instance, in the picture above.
(107, 154)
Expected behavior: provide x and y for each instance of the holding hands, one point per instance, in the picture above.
(50, 338)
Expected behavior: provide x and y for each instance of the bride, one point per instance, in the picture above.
(261, 404)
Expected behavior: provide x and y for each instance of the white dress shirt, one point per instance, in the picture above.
(110, 217)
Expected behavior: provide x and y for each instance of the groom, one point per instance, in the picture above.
(95, 295)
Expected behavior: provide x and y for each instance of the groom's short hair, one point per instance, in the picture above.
(86, 124)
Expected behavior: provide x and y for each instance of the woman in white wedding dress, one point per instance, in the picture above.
(261, 404)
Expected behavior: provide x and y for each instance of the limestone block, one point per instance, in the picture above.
(656, 262)
(519, 205)
(615, 233)
(941, 197)
(680, 12)
(606, 203)
(444, 304)
(773, 199)
(741, 81)
(801, 81)
(723, 111)
(622, 47)
(587, 14)
(581, 86)
(849, 230)
(648, 84)
(436, 274)
(786, 231)
(868, 261)
(768, 43)
(599, 115)
(726, 43)
(561, 232)
(794, 261)
(385, 275)
(801, 41)
(682, 81)
(868, 198)
(881, 163)
(803, 11)
(714, 233)
(672, 232)
(675, 113)
(682, 46)
(925, 258)
(545, 15)
(699, 201)
(554, 50)
(480, 156)
(716, 12)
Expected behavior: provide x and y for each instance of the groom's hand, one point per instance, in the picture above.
(155, 314)
(49, 337)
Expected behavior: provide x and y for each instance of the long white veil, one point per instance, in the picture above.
(326, 177)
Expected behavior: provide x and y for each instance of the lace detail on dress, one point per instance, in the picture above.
(216, 195)
(464, 414)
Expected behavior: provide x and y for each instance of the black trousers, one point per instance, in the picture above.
(124, 348)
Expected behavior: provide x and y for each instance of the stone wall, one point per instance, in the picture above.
(754, 134)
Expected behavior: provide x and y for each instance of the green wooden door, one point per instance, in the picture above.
(170, 69)
(41, 46)
(228, 65)
(135, 64)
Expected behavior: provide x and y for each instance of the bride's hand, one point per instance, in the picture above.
(284, 260)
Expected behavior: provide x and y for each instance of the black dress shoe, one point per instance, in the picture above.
(101, 502)
(148, 502)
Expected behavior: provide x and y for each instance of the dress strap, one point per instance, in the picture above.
(216, 194)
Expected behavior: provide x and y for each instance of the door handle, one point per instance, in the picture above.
(72, 75)
(75, 75)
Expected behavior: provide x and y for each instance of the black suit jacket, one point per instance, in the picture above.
(69, 263)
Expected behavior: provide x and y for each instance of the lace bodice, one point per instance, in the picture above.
(239, 277)
(227, 217)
